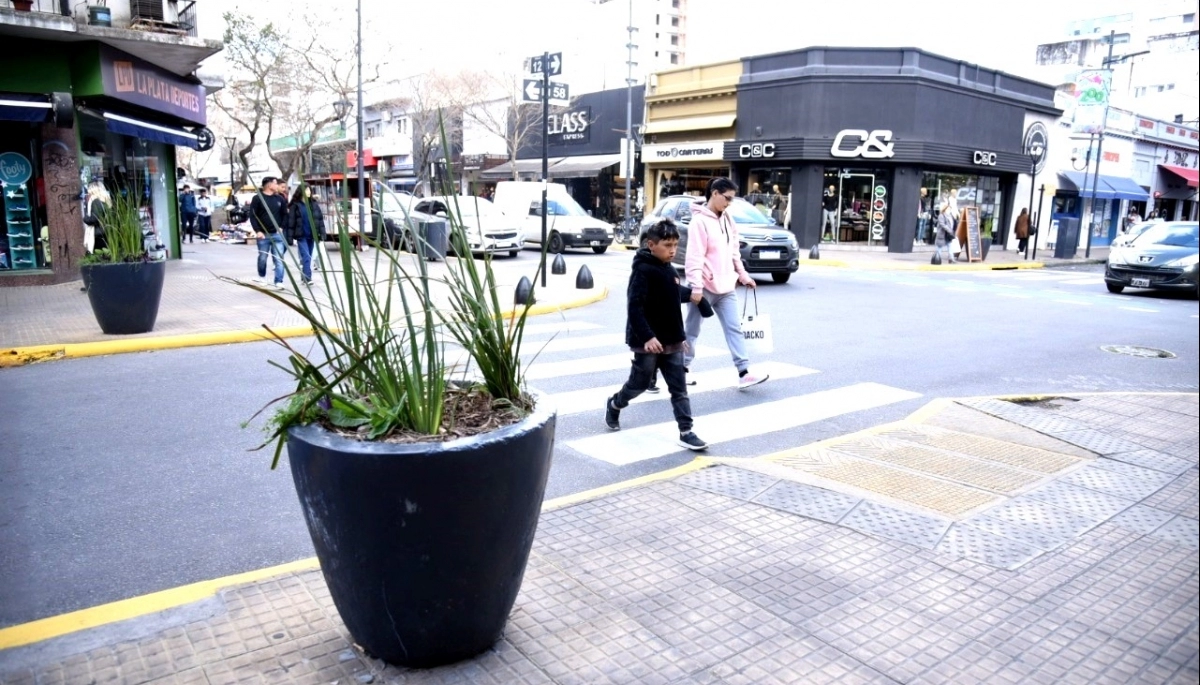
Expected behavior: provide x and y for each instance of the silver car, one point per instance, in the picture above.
(766, 247)
(1164, 257)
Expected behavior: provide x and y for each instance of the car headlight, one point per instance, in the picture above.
(1116, 257)
(1187, 263)
(793, 243)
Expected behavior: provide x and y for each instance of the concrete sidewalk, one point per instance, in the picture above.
(1017, 540)
(47, 322)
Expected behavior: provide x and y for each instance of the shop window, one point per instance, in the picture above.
(967, 190)
(768, 189)
(675, 21)
(855, 205)
(674, 39)
(674, 58)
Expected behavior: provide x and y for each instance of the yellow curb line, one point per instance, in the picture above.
(21, 356)
(134, 607)
(63, 624)
(931, 409)
(867, 266)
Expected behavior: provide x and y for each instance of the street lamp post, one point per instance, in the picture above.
(230, 141)
(629, 63)
(362, 216)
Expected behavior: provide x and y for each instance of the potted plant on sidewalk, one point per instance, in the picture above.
(421, 481)
(124, 280)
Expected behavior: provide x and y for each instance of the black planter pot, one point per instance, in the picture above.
(125, 296)
(423, 547)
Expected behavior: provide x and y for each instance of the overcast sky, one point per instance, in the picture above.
(453, 34)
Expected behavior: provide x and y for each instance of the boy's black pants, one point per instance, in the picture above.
(645, 365)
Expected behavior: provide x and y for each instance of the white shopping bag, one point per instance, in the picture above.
(756, 328)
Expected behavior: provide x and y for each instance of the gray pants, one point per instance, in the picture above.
(726, 308)
(829, 218)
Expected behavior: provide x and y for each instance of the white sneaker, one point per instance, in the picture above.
(750, 380)
(258, 279)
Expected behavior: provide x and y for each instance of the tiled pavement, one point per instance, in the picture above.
(738, 573)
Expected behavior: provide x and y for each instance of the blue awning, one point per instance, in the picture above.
(16, 108)
(1106, 187)
(163, 133)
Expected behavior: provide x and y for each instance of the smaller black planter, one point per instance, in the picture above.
(423, 546)
(125, 297)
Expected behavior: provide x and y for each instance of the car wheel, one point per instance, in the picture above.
(781, 276)
(556, 243)
(1114, 287)
(514, 253)
(600, 250)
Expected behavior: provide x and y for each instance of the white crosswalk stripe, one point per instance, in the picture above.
(609, 362)
(647, 442)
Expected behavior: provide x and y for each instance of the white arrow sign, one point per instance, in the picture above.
(555, 59)
(532, 91)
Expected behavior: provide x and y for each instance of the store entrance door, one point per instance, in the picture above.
(854, 219)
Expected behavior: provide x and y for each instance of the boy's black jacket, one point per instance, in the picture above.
(653, 298)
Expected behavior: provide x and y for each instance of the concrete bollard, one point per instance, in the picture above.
(815, 252)
(523, 292)
(559, 266)
(583, 280)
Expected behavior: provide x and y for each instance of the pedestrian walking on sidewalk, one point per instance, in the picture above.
(714, 269)
(654, 332)
(305, 225)
(267, 214)
(204, 207)
(187, 213)
(944, 233)
(1021, 228)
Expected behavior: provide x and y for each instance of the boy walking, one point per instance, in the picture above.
(654, 332)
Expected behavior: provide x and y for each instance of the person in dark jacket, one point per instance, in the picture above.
(306, 226)
(654, 331)
(268, 209)
(187, 213)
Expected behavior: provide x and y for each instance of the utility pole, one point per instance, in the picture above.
(362, 207)
(1087, 252)
(545, 151)
(629, 46)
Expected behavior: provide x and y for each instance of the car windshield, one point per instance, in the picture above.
(396, 203)
(565, 208)
(472, 206)
(1171, 235)
(745, 213)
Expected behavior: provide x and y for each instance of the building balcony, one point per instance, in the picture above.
(162, 32)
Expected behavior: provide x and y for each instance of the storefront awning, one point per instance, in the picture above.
(22, 109)
(1106, 187)
(1188, 175)
(162, 133)
(523, 166)
(584, 166)
(717, 121)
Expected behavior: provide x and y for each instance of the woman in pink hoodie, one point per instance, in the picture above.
(713, 267)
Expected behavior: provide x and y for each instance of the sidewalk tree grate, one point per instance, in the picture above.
(730, 481)
(894, 524)
(1096, 505)
(807, 500)
(1180, 530)
(1138, 351)
(1112, 483)
(994, 550)
(1053, 521)
(1142, 519)
(1019, 532)
(1152, 459)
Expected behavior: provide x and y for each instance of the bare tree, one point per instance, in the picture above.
(516, 121)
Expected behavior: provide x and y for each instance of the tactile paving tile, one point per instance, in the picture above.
(1142, 519)
(895, 524)
(923, 491)
(1020, 532)
(807, 500)
(1089, 503)
(994, 478)
(1139, 472)
(1051, 520)
(978, 545)
(1180, 530)
(1006, 453)
(1112, 483)
(1096, 441)
(1152, 459)
(729, 481)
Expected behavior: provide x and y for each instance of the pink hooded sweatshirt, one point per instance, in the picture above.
(714, 258)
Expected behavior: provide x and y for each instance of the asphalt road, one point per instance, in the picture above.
(128, 474)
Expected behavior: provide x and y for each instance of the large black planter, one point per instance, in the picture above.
(125, 296)
(423, 547)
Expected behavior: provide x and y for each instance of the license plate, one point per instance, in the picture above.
(1141, 282)
(769, 254)
(595, 242)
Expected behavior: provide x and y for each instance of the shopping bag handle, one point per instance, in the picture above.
(746, 301)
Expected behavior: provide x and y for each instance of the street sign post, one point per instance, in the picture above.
(553, 59)
(533, 90)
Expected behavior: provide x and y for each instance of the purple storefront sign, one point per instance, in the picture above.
(140, 83)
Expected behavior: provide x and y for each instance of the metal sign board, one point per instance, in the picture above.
(559, 91)
(532, 91)
(555, 67)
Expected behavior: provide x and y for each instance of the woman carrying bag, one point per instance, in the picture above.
(945, 232)
(306, 225)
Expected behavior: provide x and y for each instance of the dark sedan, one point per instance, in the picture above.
(765, 246)
(1162, 258)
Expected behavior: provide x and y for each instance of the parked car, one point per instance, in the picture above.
(1163, 258)
(1133, 231)
(765, 246)
(488, 229)
(567, 224)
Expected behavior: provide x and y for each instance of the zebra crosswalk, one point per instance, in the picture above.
(578, 364)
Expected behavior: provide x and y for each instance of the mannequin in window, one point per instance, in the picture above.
(777, 204)
(924, 208)
(664, 189)
(829, 211)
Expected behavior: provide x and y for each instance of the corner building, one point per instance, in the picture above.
(892, 131)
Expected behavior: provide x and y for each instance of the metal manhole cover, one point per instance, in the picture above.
(1136, 351)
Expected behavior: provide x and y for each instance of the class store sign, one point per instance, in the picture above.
(131, 80)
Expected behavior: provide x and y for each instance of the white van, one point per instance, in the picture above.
(567, 224)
